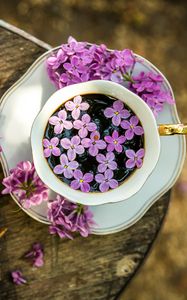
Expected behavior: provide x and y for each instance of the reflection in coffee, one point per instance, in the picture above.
(94, 142)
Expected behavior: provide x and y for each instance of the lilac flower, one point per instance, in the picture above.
(135, 158)
(106, 162)
(84, 125)
(60, 122)
(36, 255)
(26, 185)
(56, 60)
(75, 66)
(73, 146)
(149, 87)
(115, 141)
(94, 143)
(66, 168)
(51, 147)
(117, 112)
(81, 181)
(18, 278)
(67, 217)
(106, 180)
(76, 106)
(125, 59)
(73, 46)
(132, 127)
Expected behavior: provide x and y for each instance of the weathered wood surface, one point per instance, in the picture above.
(98, 267)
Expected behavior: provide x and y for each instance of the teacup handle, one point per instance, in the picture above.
(170, 129)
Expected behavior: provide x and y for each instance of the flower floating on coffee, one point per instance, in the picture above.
(79, 62)
(100, 148)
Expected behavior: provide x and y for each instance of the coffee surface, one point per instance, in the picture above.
(87, 163)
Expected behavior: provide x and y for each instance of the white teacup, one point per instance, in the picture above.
(134, 182)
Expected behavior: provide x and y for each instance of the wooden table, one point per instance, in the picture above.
(97, 267)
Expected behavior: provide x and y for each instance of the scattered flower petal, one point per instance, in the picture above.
(36, 255)
(18, 278)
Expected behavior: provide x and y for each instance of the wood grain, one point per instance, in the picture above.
(98, 267)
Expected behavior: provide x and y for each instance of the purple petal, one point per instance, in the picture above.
(109, 174)
(130, 153)
(65, 143)
(46, 143)
(54, 120)
(102, 168)
(70, 105)
(138, 130)
(104, 186)
(84, 106)
(112, 165)
(139, 163)
(76, 113)
(68, 173)
(130, 163)
(79, 149)
(110, 156)
(118, 148)
(116, 120)
(86, 118)
(121, 139)
(99, 178)
(75, 140)
(58, 128)
(134, 120)
(129, 134)
(115, 135)
(124, 114)
(78, 174)
(77, 100)
(85, 187)
(47, 152)
(110, 147)
(118, 105)
(108, 139)
(113, 183)
(62, 114)
(93, 150)
(58, 169)
(68, 124)
(125, 124)
(64, 159)
(100, 158)
(71, 154)
(140, 153)
(88, 177)
(86, 143)
(83, 132)
(73, 165)
(54, 141)
(101, 144)
(75, 184)
(91, 126)
(109, 112)
(78, 124)
(56, 151)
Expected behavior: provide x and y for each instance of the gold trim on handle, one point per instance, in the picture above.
(170, 129)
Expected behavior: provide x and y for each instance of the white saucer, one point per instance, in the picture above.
(20, 105)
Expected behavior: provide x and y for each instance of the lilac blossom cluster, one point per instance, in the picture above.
(25, 184)
(88, 139)
(78, 62)
(67, 218)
